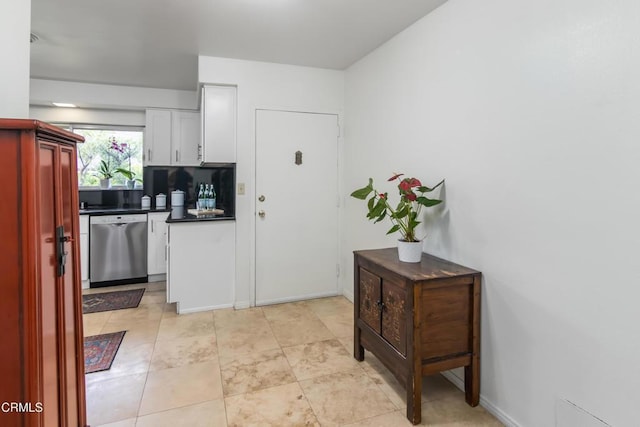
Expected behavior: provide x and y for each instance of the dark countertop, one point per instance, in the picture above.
(182, 215)
(119, 211)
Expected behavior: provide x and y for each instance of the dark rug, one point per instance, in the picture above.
(116, 300)
(100, 350)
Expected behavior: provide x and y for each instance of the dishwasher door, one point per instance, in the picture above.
(118, 252)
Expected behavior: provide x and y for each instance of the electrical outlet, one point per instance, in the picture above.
(241, 188)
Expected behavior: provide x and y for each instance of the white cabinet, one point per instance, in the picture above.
(185, 138)
(172, 138)
(201, 265)
(157, 138)
(84, 250)
(156, 243)
(218, 124)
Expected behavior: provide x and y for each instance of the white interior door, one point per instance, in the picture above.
(296, 206)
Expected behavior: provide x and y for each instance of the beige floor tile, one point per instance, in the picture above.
(182, 386)
(319, 358)
(157, 286)
(131, 422)
(281, 406)
(207, 414)
(142, 331)
(454, 411)
(243, 331)
(387, 382)
(347, 342)
(391, 419)
(153, 297)
(183, 351)
(345, 397)
(254, 371)
(435, 387)
(93, 323)
(295, 323)
(142, 313)
(186, 325)
(340, 325)
(331, 306)
(115, 399)
(132, 358)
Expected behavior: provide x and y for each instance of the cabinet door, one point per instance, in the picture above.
(157, 138)
(370, 299)
(156, 240)
(394, 315)
(84, 248)
(186, 138)
(219, 124)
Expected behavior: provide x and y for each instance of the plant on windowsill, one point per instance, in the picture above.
(405, 216)
(105, 173)
(125, 150)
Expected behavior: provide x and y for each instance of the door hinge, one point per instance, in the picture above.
(337, 270)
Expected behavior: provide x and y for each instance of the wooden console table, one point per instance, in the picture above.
(418, 319)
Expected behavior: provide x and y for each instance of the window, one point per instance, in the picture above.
(111, 151)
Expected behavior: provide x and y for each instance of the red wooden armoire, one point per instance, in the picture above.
(42, 356)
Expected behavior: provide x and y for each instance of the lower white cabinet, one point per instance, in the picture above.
(84, 250)
(201, 265)
(156, 242)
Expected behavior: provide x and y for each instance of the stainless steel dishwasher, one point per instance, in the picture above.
(118, 249)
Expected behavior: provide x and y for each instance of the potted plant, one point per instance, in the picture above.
(405, 216)
(105, 173)
(125, 150)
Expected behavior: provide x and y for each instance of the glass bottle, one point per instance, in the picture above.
(213, 197)
(201, 197)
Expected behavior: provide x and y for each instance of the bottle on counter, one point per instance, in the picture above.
(213, 197)
(201, 202)
(207, 197)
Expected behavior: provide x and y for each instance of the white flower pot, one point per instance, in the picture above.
(105, 183)
(409, 251)
(131, 184)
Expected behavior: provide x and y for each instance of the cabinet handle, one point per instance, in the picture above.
(176, 155)
(381, 306)
(149, 154)
(152, 221)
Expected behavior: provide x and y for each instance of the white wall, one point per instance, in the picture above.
(531, 112)
(264, 85)
(15, 24)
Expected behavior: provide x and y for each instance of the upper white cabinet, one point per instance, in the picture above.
(218, 124)
(172, 138)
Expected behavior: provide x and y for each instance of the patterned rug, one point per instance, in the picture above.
(117, 300)
(100, 350)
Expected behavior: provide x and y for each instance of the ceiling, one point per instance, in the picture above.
(156, 43)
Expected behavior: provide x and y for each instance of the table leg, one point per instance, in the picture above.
(414, 399)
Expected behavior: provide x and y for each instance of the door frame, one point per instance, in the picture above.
(339, 195)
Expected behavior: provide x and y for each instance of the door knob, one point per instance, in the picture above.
(261, 198)
(261, 214)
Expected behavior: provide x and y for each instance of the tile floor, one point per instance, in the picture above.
(281, 365)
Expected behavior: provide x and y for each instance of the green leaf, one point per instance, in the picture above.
(428, 202)
(381, 217)
(377, 209)
(424, 189)
(393, 229)
(370, 203)
(402, 212)
(362, 193)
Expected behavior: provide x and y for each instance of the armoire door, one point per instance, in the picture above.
(48, 283)
(67, 290)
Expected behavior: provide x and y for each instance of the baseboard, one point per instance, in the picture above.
(239, 305)
(199, 309)
(348, 294)
(485, 403)
(296, 298)
(157, 278)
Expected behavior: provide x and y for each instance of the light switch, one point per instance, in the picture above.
(241, 188)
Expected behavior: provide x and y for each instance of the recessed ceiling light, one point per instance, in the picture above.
(64, 104)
